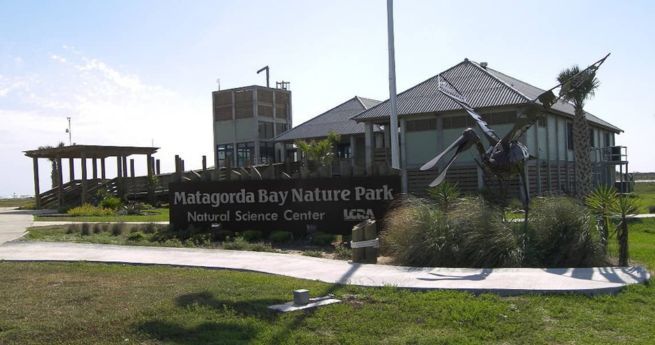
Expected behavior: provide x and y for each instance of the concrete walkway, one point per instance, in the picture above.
(508, 281)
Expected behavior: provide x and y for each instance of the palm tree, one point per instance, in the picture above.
(54, 173)
(318, 153)
(624, 207)
(602, 202)
(577, 88)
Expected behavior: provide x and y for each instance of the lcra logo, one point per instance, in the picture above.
(358, 214)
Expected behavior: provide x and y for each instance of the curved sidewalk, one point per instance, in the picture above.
(507, 281)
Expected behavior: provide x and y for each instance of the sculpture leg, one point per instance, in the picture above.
(526, 194)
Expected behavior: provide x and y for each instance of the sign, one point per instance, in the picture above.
(331, 205)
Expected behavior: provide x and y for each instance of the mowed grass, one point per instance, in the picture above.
(82, 303)
(17, 202)
(156, 215)
(646, 196)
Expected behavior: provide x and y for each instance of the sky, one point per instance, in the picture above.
(139, 73)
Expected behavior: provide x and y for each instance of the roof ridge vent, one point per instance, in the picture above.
(484, 64)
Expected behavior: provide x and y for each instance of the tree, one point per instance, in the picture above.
(602, 202)
(577, 88)
(318, 153)
(54, 173)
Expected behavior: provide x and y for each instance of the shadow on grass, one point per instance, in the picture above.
(205, 333)
(253, 307)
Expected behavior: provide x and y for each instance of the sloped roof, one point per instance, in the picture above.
(337, 119)
(483, 87)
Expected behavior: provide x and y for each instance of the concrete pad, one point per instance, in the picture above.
(503, 281)
(313, 303)
(13, 223)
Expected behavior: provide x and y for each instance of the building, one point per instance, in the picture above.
(429, 122)
(246, 119)
(339, 120)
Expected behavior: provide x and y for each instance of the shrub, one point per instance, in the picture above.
(133, 208)
(562, 233)
(473, 234)
(150, 228)
(342, 251)
(322, 239)
(239, 243)
(252, 235)
(651, 209)
(201, 239)
(222, 235)
(445, 195)
(85, 229)
(117, 229)
(110, 202)
(136, 237)
(281, 236)
(88, 210)
(313, 253)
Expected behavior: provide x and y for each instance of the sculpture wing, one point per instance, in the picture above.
(446, 88)
(523, 123)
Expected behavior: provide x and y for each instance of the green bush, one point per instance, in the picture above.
(281, 236)
(252, 235)
(222, 235)
(136, 237)
(239, 243)
(342, 251)
(322, 239)
(444, 195)
(313, 253)
(562, 233)
(110, 202)
(150, 228)
(88, 210)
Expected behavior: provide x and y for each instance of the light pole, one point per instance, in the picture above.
(68, 130)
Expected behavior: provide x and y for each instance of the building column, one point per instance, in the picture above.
(124, 158)
(353, 147)
(369, 147)
(103, 174)
(71, 169)
(149, 173)
(131, 167)
(537, 160)
(37, 191)
(84, 187)
(255, 113)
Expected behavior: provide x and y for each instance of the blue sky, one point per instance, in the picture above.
(134, 72)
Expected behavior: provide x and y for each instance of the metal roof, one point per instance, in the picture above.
(483, 87)
(337, 119)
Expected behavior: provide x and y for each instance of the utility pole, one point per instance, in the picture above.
(68, 130)
(395, 152)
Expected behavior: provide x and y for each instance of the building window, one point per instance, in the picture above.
(224, 154)
(243, 101)
(266, 130)
(222, 105)
(569, 135)
(281, 127)
(343, 151)
(457, 122)
(499, 118)
(421, 125)
(245, 153)
(592, 142)
(267, 152)
(607, 140)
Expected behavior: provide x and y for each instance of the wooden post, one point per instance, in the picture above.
(151, 187)
(84, 189)
(370, 233)
(103, 174)
(71, 169)
(369, 146)
(125, 166)
(158, 167)
(60, 190)
(119, 169)
(95, 168)
(37, 192)
(357, 236)
(132, 167)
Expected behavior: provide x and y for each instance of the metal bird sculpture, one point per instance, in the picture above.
(506, 156)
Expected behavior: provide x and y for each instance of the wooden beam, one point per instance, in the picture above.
(84, 187)
(94, 162)
(37, 197)
(158, 167)
(131, 167)
(124, 166)
(119, 169)
(60, 191)
(71, 169)
(103, 174)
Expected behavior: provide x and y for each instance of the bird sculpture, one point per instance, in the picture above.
(504, 157)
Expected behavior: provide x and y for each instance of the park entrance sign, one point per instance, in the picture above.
(328, 204)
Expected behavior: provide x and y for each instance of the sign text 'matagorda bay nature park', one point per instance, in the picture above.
(327, 204)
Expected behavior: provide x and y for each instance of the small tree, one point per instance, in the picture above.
(602, 201)
(54, 172)
(444, 195)
(624, 206)
(318, 153)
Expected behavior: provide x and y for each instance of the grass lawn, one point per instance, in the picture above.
(17, 202)
(156, 215)
(81, 303)
(646, 194)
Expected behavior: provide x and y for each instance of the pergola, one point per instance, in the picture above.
(83, 152)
